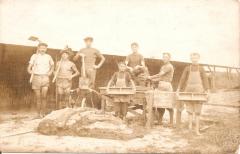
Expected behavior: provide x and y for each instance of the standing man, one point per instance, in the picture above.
(193, 79)
(135, 63)
(67, 70)
(165, 77)
(90, 54)
(40, 67)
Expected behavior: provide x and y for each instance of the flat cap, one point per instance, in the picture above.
(88, 39)
(42, 44)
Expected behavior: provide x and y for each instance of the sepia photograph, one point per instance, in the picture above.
(120, 76)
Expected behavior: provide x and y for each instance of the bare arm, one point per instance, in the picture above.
(111, 82)
(29, 69)
(133, 84)
(51, 70)
(161, 73)
(143, 63)
(75, 70)
(126, 62)
(182, 79)
(101, 62)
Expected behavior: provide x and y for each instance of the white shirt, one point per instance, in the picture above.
(41, 63)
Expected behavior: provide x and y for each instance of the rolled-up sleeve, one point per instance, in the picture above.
(32, 59)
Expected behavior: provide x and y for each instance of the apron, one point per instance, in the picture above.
(121, 82)
(163, 100)
(194, 83)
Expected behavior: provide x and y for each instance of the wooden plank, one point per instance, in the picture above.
(187, 96)
(134, 112)
(149, 98)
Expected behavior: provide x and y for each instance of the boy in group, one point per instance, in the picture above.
(65, 72)
(121, 79)
(40, 67)
(193, 79)
(135, 64)
(164, 77)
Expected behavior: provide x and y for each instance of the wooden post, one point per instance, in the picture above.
(103, 104)
(214, 78)
(144, 111)
(228, 78)
(212, 74)
(149, 98)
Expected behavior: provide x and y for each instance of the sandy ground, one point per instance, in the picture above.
(158, 139)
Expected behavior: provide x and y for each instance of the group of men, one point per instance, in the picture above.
(131, 72)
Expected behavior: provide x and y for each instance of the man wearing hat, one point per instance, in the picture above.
(135, 63)
(65, 72)
(40, 67)
(90, 56)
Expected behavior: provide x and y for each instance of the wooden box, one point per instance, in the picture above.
(188, 96)
(121, 91)
(161, 99)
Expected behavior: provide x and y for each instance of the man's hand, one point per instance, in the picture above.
(137, 67)
(130, 68)
(70, 77)
(96, 66)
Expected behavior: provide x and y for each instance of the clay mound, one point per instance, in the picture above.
(85, 122)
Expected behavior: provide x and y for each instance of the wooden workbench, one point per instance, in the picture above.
(136, 99)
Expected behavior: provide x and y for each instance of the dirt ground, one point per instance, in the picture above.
(222, 136)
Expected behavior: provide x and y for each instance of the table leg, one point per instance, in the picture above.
(149, 111)
(144, 111)
(103, 104)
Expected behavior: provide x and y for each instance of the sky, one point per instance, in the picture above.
(210, 27)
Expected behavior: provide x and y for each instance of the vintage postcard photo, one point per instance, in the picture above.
(120, 76)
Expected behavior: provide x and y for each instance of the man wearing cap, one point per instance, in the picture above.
(135, 63)
(40, 67)
(90, 55)
(67, 70)
(164, 77)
